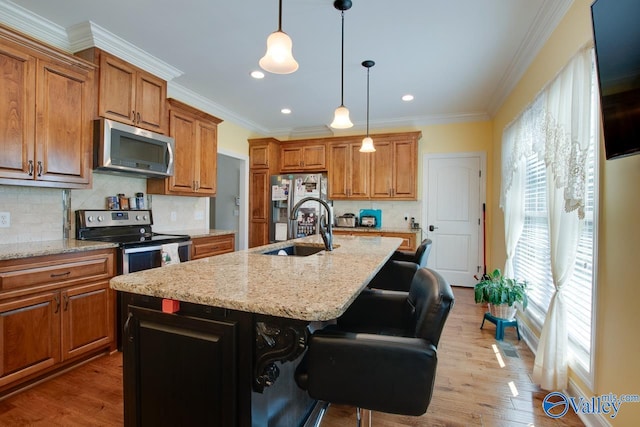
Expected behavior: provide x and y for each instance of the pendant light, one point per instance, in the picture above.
(341, 116)
(279, 58)
(367, 142)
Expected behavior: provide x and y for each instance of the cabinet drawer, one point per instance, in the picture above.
(55, 269)
(408, 240)
(215, 245)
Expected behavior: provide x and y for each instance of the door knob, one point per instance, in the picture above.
(431, 228)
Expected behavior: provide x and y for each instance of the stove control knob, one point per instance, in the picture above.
(138, 217)
(100, 218)
(90, 218)
(142, 231)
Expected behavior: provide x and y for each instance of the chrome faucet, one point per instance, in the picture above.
(325, 227)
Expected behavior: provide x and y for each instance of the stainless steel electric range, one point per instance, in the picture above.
(139, 248)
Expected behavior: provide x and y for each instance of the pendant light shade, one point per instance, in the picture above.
(341, 116)
(279, 57)
(367, 142)
(367, 145)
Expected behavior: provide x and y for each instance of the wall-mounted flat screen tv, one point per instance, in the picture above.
(616, 33)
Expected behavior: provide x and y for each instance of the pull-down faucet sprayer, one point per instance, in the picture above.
(324, 225)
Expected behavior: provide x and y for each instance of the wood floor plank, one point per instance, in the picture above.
(471, 387)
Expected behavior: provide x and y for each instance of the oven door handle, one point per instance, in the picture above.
(153, 248)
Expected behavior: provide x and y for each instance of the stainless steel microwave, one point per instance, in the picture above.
(125, 149)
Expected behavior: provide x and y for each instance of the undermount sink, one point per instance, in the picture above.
(296, 250)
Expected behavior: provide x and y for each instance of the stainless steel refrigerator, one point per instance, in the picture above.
(286, 191)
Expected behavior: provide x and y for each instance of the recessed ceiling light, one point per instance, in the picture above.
(285, 111)
(407, 97)
(257, 74)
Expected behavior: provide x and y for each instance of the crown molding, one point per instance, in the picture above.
(33, 25)
(82, 36)
(190, 97)
(88, 34)
(545, 22)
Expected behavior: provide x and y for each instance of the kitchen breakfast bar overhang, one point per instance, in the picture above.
(227, 356)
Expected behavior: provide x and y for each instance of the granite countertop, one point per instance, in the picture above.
(318, 287)
(50, 247)
(379, 230)
(208, 233)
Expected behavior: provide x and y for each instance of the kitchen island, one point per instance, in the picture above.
(227, 354)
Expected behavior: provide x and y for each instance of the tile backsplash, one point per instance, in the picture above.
(393, 213)
(38, 214)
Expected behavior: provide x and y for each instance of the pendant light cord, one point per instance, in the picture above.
(342, 66)
(368, 69)
(280, 16)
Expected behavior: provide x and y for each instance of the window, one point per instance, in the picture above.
(532, 255)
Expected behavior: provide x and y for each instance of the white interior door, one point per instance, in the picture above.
(454, 195)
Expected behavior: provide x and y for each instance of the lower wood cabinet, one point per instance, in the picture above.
(409, 239)
(203, 247)
(65, 313)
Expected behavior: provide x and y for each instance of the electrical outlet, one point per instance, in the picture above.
(5, 220)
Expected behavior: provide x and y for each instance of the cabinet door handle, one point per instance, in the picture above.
(66, 302)
(127, 326)
(40, 168)
(30, 168)
(133, 116)
(138, 116)
(57, 298)
(54, 275)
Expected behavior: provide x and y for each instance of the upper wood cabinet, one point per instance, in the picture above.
(348, 171)
(303, 157)
(45, 115)
(195, 159)
(264, 153)
(129, 94)
(394, 166)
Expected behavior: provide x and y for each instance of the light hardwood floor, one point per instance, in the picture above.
(472, 389)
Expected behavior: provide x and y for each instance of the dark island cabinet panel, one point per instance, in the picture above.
(179, 370)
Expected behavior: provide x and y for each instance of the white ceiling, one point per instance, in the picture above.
(459, 58)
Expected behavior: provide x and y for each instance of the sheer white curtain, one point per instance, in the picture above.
(555, 126)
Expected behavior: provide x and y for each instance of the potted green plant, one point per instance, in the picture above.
(501, 294)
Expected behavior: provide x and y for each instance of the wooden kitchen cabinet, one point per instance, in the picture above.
(348, 171)
(303, 157)
(264, 157)
(394, 166)
(203, 247)
(259, 202)
(209, 368)
(54, 311)
(45, 115)
(128, 94)
(264, 153)
(30, 333)
(195, 160)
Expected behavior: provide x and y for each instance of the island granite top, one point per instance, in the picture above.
(317, 287)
